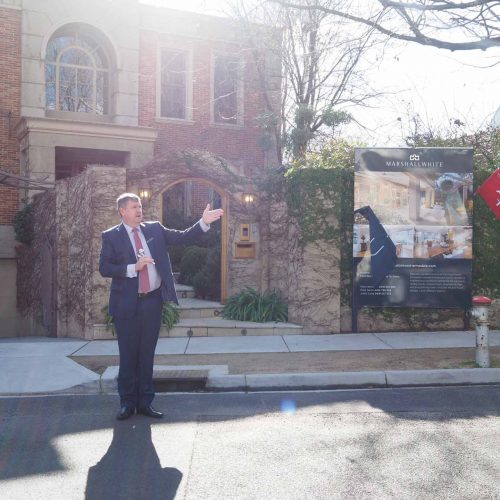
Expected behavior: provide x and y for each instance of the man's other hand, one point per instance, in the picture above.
(142, 262)
(210, 216)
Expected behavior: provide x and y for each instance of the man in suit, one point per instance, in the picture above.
(134, 254)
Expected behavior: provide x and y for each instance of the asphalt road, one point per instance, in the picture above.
(432, 443)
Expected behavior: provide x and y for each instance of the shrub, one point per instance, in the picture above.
(23, 225)
(169, 315)
(206, 281)
(176, 252)
(108, 320)
(249, 305)
(192, 261)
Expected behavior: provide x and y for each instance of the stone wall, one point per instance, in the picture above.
(70, 219)
(308, 277)
(86, 207)
(29, 264)
(278, 241)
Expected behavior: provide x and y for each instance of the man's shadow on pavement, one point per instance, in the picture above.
(131, 469)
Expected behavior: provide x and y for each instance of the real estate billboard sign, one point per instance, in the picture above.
(423, 199)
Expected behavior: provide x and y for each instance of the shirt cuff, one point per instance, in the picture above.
(131, 272)
(204, 226)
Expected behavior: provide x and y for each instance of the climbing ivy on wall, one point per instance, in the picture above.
(319, 192)
(319, 196)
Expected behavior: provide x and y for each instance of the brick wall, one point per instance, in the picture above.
(237, 144)
(10, 101)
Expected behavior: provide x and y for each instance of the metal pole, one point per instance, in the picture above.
(480, 311)
(482, 346)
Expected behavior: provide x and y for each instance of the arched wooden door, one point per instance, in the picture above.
(183, 201)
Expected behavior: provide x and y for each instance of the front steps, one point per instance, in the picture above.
(210, 327)
(190, 308)
(203, 318)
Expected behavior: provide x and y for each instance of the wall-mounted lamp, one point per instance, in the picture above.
(145, 191)
(249, 196)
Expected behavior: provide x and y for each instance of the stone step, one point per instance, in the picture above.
(184, 291)
(213, 327)
(196, 308)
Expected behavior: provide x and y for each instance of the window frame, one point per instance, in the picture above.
(188, 104)
(92, 115)
(239, 90)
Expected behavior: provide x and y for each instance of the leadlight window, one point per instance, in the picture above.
(226, 85)
(173, 84)
(76, 73)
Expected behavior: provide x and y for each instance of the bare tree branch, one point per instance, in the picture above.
(480, 18)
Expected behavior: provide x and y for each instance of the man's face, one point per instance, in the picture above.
(131, 213)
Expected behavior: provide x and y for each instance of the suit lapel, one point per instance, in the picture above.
(127, 243)
(146, 231)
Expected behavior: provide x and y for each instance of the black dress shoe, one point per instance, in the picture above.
(150, 412)
(125, 412)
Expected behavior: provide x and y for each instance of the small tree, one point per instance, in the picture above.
(322, 73)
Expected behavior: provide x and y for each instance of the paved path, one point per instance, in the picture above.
(42, 365)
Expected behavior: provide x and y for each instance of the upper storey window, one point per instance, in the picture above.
(77, 72)
(227, 90)
(174, 84)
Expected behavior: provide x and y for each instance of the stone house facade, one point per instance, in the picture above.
(116, 83)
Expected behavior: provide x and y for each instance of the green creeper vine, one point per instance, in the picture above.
(319, 193)
(23, 224)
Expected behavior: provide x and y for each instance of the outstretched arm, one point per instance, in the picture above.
(190, 235)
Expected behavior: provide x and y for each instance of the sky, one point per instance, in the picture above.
(436, 84)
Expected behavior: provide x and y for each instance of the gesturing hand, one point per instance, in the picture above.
(210, 216)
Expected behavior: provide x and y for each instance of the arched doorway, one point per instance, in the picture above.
(204, 265)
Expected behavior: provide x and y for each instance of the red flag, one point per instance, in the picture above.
(490, 192)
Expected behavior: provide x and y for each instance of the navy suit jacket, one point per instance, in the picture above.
(117, 252)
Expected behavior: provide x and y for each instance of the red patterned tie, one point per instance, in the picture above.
(144, 286)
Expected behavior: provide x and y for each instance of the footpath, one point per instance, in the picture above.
(36, 365)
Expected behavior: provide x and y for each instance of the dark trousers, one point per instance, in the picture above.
(137, 338)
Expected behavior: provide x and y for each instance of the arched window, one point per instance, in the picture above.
(77, 71)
